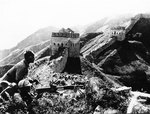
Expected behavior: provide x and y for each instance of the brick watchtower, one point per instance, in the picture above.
(68, 39)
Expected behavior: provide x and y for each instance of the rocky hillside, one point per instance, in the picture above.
(127, 60)
(107, 22)
(111, 68)
(100, 95)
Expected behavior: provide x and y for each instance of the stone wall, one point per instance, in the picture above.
(74, 47)
(66, 35)
(72, 44)
(57, 42)
(58, 65)
(118, 34)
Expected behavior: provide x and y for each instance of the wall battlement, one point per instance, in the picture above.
(118, 32)
(66, 38)
(65, 35)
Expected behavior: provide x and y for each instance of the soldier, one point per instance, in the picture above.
(18, 75)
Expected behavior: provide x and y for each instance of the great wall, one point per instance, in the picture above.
(58, 65)
(111, 35)
(69, 42)
(68, 39)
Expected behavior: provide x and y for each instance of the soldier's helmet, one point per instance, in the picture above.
(24, 83)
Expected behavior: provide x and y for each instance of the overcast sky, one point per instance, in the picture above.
(20, 18)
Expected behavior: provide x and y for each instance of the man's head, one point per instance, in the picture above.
(29, 56)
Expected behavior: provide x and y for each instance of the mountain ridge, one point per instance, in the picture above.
(39, 36)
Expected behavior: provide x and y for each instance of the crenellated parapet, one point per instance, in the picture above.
(118, 28)
(65, 35)
(118, 32)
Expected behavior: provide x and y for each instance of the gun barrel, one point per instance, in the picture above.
(54, 89)
(71, 87)
(42, 90)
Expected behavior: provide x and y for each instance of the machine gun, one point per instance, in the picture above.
(39, 91)
(34, 92)
(55, 89)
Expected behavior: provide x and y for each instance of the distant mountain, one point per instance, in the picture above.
(79, 29)
(35, 38)
(94, 26)
(17, 55)
(104, 23)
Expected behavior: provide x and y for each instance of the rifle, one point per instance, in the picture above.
(54, 89)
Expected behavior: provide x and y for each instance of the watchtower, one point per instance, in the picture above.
(118, 32)
(66, 38)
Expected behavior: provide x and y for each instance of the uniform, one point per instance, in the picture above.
(16, 73)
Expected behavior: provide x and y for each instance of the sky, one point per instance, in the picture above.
(20, 18)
